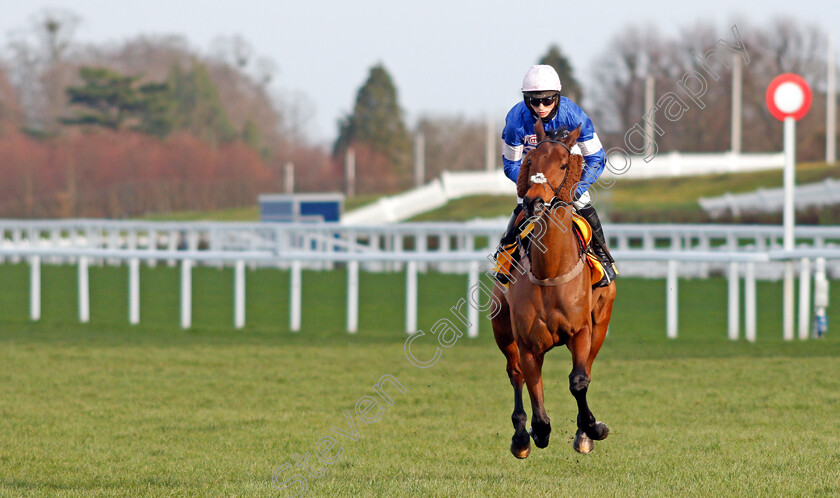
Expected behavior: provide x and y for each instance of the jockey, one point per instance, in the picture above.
(542, 100)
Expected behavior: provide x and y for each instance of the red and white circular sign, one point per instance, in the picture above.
(788, 96)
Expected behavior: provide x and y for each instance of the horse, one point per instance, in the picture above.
(555, 303)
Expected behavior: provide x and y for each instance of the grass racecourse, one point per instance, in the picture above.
(106, 409)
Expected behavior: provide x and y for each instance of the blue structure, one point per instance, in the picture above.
(301, 207)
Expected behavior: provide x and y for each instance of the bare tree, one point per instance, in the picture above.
(618, 92)
(10, 111)
(451, 144)
(783, 46)
(234, 50)
(39, 56)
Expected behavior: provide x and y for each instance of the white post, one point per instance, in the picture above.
(419, 160)
(734, 289)
(472, 312)
(152, 246)
(420, 245)
(831, 107)
(84, 290)
(239, 294)
(55, 241)
(131, 238)
(804, 298)
(17, 239)
(411, 298)
(172, 245)
(703, 245)
(294, 316)
(789, 221)
(650, 138)
(671, 291)
(134, 291)
(736, 104)
(192, 240)
(352, 297)
(398, 248)
(749, 303)
(113, 243)
(444, 245)
(186, 294)
(35, 288)
(375, 243)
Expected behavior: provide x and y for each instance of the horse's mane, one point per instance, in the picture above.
(523, 181)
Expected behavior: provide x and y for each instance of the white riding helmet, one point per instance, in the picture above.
(541, 79)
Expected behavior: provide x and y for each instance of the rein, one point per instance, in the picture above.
(540, 178)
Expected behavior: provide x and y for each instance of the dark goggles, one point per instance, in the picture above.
(535, 102)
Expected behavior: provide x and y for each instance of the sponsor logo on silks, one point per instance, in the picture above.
(531, 139)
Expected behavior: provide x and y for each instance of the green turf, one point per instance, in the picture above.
(106, 409)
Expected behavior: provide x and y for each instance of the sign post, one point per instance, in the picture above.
(788, 99)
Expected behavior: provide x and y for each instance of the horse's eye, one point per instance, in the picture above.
(564, 166)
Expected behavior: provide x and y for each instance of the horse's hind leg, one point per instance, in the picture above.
(589, 429)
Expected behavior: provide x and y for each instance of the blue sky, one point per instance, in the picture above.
(446, 57)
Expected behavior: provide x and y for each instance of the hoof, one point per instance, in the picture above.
(583, 444)
(520, 446)
(540, 442)
(520, 453)
(600, 432)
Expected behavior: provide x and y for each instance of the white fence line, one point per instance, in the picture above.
(160, 238)
(412, 260)
(824, 193)
(671, 164)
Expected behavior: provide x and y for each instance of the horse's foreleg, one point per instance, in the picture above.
(580, 346)
(540, 423)
(520, 443)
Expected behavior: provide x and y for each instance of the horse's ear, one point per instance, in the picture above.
(538, 127)
(572, 137)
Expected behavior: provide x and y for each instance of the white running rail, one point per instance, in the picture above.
(475, 289)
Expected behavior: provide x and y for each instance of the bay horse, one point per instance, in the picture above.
(551, 301)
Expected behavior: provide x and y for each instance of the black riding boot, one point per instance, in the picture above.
(507, 252)
(599, 246)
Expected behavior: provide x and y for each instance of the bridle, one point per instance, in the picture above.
(540, 178)
(552, 204)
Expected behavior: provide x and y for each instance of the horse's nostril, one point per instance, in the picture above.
(536, 205)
